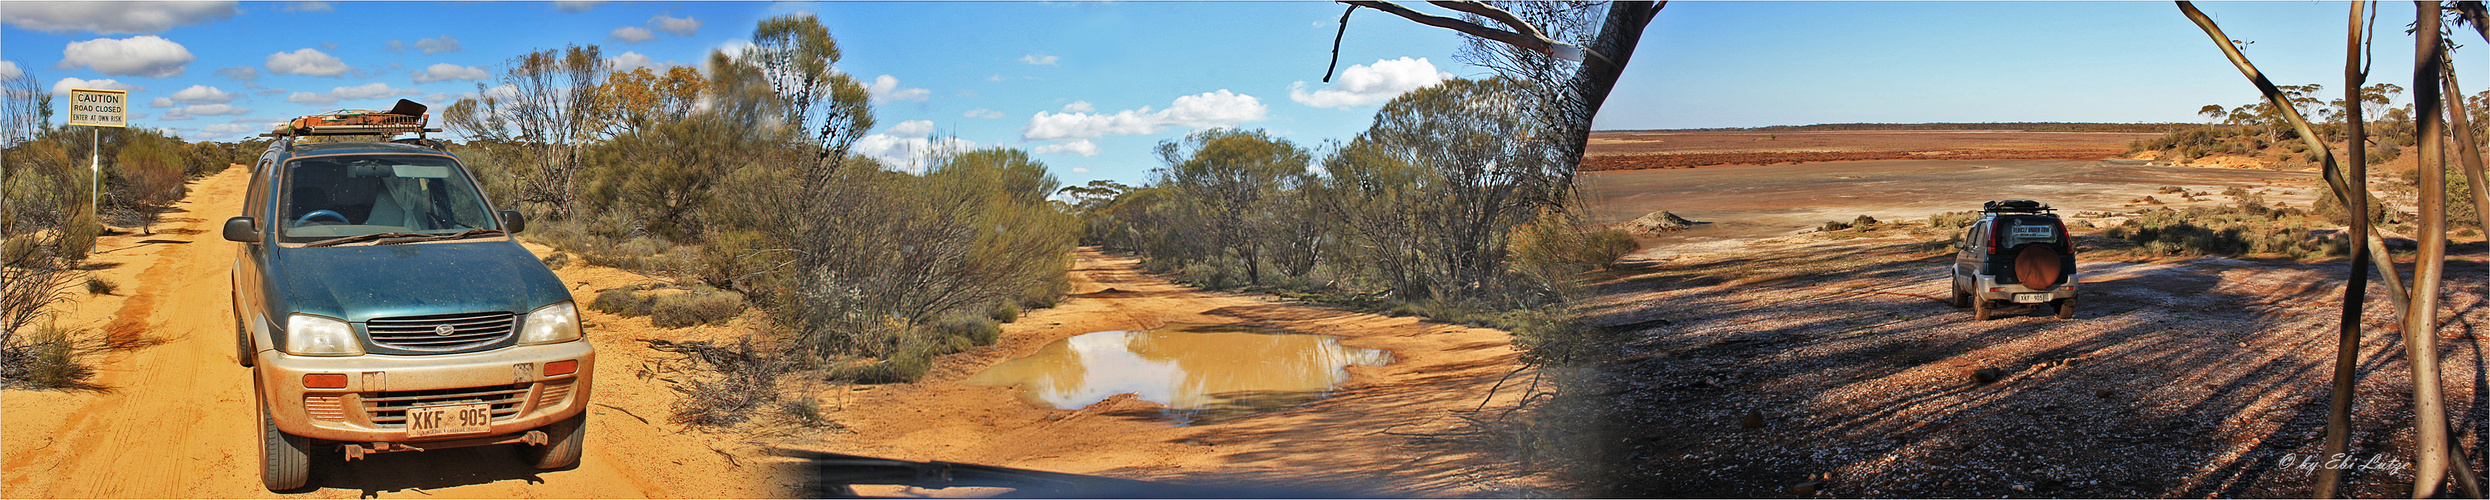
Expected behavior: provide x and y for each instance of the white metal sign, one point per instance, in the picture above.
(99, 107)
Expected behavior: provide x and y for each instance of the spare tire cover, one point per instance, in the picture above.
(2037, 267)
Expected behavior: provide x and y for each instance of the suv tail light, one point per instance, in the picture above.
(1992, 229)
(2065, 239)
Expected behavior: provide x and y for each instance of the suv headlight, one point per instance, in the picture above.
(308, 335)
(551, 324)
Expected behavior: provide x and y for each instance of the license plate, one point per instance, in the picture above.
(448, 419)
(2031, 298)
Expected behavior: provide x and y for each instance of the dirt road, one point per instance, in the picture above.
(1393, 430)
(176, 418)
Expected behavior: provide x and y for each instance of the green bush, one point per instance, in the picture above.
(97, 286)
(1953, 220)
(978, 331)
(626, 302)
(2231, 230)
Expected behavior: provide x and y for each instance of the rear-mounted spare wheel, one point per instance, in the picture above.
(2037, 267)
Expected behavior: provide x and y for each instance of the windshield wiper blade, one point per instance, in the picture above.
(471, 233)
(358, 238)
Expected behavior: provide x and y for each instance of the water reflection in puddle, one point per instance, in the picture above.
(1198, 370)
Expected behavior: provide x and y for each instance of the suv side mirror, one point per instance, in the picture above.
(240, 229)
(512, 222)
(1960, 244)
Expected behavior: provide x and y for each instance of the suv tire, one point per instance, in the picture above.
(284, 459)
(242, 345)
(1980, 310)
(562, 446)
(1962, 298)
(2066, 308)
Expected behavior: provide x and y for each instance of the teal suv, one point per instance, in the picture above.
(382, 306)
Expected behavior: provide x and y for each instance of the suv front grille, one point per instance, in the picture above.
(388, 409)
(425, 333)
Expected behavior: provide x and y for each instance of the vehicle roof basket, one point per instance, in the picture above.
(407, 117)
(2016, 207)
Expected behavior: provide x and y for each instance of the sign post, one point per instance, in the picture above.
(98, 108)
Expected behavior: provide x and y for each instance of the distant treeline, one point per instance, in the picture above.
(2137, 128)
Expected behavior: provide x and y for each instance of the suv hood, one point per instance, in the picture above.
(382, 281)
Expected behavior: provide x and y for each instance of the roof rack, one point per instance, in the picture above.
(407, 117)
(2015, 207)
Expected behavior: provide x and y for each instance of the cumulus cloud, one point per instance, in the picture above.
(1362, 85)
(1079, 147)
(1039, 59)
(367, 91)
(983, 113)
(633, 60)
(437, 45)
(196, 94)
(632, 34)
(446, 72)
(112, 18)
(886, 88)
(307, 61)
(238, 72)
(907, 146)
(1079, 107)
(144, 55)
(1206, 110)
(676, 26)
(62, 87)
(8, 69)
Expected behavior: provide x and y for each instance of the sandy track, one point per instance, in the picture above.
(177, 418)
(1386, 432)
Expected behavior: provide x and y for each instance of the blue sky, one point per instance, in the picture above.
(1091, 87)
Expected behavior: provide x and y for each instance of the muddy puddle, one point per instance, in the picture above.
(1198, 372)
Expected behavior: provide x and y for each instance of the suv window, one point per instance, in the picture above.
(330, 197)
(2016, 231)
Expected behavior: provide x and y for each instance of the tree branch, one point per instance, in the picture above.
(1533, 40)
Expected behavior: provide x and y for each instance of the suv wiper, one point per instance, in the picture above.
(360, 238)
(471, 233)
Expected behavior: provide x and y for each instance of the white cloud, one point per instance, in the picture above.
(886, 88)
(367, 91)
(62, 87)
(310, 7)
(437, 45)
(307, 61)
(229, 128)
(446, 72)
(1079, 170)
(1362, 85)
(1079, 107)
(1206, 110)
(913, 128)
(1039, 59)
(8, 69)
(202, 94)
(632, 34)
(144, 55)
(576, 5)
(238, 72)
(995, 77)
(983, 113)
(1079, 147)
(908, 154)
(633, 60)
(112, 18)
(190, 112)
(676, 26)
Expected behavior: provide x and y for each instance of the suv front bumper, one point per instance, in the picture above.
(371, 408)
(1985, 287)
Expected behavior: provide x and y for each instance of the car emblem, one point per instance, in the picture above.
(443, 330)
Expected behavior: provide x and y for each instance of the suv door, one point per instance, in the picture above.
(248, 281)
(1967, 261)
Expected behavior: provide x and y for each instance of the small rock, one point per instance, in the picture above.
(1753, 420)
(1985, 376)
(1655, 223)
(1806, 489)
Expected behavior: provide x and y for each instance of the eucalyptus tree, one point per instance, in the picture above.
(550, 108)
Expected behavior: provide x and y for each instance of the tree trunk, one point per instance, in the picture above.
(2356, 286)
(2421, 319)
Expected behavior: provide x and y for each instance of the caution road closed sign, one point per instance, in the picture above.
(99, 107)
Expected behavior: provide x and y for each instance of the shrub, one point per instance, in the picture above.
(978, 331)
(696, 307)
(78, 236)
(1953, 220)
(1862, 222)
(626, 302)
(47, 358)
(1006, 312)
(2332, 210)
(97, 286)
(558, 260)
(2230, 230)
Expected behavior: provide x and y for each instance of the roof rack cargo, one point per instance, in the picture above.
(2015, 206)
(407, 117)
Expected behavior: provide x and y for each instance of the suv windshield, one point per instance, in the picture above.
(332, 197)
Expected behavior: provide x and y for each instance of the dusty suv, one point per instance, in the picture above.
(382, 307)
(2018, 252)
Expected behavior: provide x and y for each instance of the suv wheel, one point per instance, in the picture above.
(284, 459)
(1980, 309)
(242, 344)
(563, 440)
(2066, 308)
(1962, 298)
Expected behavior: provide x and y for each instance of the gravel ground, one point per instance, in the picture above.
(1805, 366)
